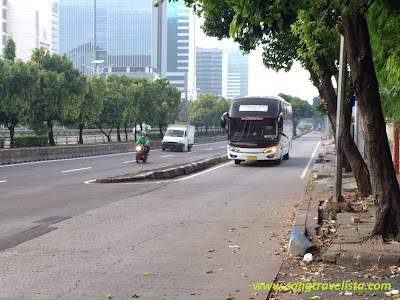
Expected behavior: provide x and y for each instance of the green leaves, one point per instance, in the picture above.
(207, 110)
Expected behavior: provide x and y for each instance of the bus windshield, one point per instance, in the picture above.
(252, 130)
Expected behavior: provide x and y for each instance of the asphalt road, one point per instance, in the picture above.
(39, 193)
(206, 236)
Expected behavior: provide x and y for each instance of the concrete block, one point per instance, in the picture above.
(206, 163)
(347, 258)
(159, 175)
(330, 257)
(355, 219)
(195, 167)
(389, 260)
(188, 169)
(300, 220)
(180, 171)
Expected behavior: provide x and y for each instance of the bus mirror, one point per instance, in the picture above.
(224, 119)
(280, 122)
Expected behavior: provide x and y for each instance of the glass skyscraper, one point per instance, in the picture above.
(129, 35)
(237, 77)
(209, 71)
(178, 45)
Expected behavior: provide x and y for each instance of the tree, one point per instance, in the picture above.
(301, 109)
(21, 85)
(117, 100)
(205, 112)
(136, 109)
(92, 104)
(167, 102)
(61, 90)
(386, 192)
(383, 25)
(9, 50)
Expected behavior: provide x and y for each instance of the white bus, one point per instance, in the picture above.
(259, 128)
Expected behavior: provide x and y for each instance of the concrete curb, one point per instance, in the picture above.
(169, 172)
(361, 259)
(299, 244)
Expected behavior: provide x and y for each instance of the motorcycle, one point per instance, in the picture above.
(141, 153)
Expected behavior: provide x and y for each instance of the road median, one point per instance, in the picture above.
(168, 172)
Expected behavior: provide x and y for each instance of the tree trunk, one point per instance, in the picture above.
(81, 134)
(105, 133)
(161, 131)
(51, 134)
(126, 132)
(12, 131)
(385, 188)
(118, 132)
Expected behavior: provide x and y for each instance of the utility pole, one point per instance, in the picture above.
(337, 191)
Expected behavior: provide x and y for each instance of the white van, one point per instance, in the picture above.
(178, 137)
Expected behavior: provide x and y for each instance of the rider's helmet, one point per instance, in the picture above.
(143, 133)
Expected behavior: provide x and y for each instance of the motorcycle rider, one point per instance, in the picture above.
(143, 140)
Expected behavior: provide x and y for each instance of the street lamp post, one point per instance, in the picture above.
(97, 64)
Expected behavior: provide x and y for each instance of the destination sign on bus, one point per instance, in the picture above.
(261, 108)
(252, 118)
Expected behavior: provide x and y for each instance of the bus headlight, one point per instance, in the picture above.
(270, 149)
(234, 149)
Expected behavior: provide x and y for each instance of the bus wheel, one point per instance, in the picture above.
(286, 156)
(237, 161)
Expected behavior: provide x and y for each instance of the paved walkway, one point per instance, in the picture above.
(345, 235)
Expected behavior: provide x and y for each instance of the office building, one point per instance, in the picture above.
(127, 37)
(236, 74)
(32, 25)
(209, 68)
(180, 48)
(3, 25)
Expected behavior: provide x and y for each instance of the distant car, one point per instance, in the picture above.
(319, 129)
(145, 128)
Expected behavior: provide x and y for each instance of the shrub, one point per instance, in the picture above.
(2, 141)
(31, 141)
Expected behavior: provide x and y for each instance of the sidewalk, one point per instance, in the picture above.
(343, 237)
(347, 263)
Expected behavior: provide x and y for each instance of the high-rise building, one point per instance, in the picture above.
(127, 37)
(236, 78)
(3, 25)
(32, 25)
(55, 28)
(180, 49)
(209, 71)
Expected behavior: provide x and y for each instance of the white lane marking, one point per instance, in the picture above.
(129, 161)
(90, 181)
(222, 147)
(2, 181)
(174, 180)
(67, 171)
(208, 149)
(167, 155)
(309, 162)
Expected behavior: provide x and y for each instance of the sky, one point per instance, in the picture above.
(263, 81)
